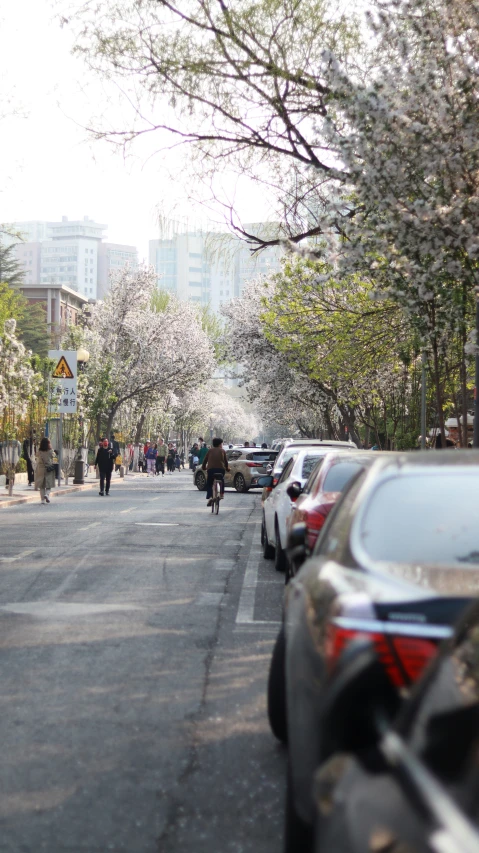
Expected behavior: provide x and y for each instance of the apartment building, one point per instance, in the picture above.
(70, 253)
(207, 268)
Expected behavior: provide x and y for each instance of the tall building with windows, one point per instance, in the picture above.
(207, 268)
(70, 253)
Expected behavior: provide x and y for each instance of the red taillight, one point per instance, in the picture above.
(275, 481)
(316, 517)
(253, 465)
(404, 658)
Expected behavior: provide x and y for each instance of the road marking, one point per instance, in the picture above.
(128, 510)
(64, 609)
(156, 524)
(209, 598)
(17, 556)
(89, 526)
(245, 614)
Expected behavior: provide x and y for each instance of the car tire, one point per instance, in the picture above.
(240, 483)
(279, 553)
(268, 550)
(298, 835)
(277, 689)
(200, 481)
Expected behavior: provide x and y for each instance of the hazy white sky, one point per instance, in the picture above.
(48, 165)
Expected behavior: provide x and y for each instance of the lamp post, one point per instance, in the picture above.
(83, 357)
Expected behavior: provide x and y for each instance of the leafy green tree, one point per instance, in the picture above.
(11, 271)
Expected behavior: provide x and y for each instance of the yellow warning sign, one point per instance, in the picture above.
(62, 369)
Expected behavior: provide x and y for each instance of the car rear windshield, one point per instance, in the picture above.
(428, 518)
(263, 456)
(339, 476)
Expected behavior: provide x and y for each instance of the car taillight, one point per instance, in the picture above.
(315, 518)
(253, 465)
(275, 481)
(403, 657)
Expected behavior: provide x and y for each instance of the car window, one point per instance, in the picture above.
(233, 454)
(287, 469)
(339, 476)
(263, 456)
(333, 539)
(314, 476)
(424, 518)
(308, 464)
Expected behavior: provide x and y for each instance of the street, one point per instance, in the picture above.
(136, 632)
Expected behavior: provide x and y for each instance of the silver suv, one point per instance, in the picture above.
(247, 465)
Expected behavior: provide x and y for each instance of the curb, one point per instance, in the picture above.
(28, 499)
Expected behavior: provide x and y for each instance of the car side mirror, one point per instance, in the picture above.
(294, 490)
(360, 702)
(265, 482)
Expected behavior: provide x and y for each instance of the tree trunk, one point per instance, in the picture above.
(438, 391)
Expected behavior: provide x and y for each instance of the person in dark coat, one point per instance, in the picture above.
(28, 460)
(105, 461)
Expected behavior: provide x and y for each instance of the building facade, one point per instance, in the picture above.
(70, 253)
(208, 268)
(63, 306)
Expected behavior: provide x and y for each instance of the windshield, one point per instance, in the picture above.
(426, 518)
(308, 464)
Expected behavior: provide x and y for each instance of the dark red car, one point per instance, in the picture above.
(326, 483)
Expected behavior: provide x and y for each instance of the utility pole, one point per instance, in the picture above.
(476, 389)
(423, 400)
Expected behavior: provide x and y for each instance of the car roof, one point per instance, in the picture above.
(326, 441)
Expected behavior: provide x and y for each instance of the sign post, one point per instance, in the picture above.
(64, 391)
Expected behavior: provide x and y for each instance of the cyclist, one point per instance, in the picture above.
(215, 462)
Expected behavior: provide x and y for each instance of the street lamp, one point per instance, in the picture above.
(83, 357)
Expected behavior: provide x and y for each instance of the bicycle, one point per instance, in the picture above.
(215, 506)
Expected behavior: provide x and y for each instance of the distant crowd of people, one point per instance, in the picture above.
(154, 456)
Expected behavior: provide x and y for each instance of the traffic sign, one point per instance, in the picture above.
(64, 385)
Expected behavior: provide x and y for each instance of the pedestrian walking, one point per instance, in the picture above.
(105, 461)
(161, 458)
(45, 470)
(151, 455)
(182, 458)
(193, 454)
(27, 449)
(202, 451)
(177, 461)
(170, 461)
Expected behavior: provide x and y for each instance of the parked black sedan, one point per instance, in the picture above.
(397, 562)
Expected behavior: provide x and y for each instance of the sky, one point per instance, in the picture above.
(51, 167)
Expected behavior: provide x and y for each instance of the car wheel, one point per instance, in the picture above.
(298, 835)
(200, 481)
(268, 550)
(277, 689)
(240, 483)
(279, 554)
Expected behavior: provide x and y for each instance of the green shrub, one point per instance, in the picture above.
(21, 466)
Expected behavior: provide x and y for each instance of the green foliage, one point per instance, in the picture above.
(33, 329)
(11, 271)
(12, 303)
(160, 301)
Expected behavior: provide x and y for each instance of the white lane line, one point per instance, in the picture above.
(156, 524)
(89, 526)
(209, 598)
(245, 614)
(17, 556)
(128, 510)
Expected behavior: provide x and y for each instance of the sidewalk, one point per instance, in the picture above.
(22, 494)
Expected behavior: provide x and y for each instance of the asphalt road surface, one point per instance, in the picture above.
(135, 636)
